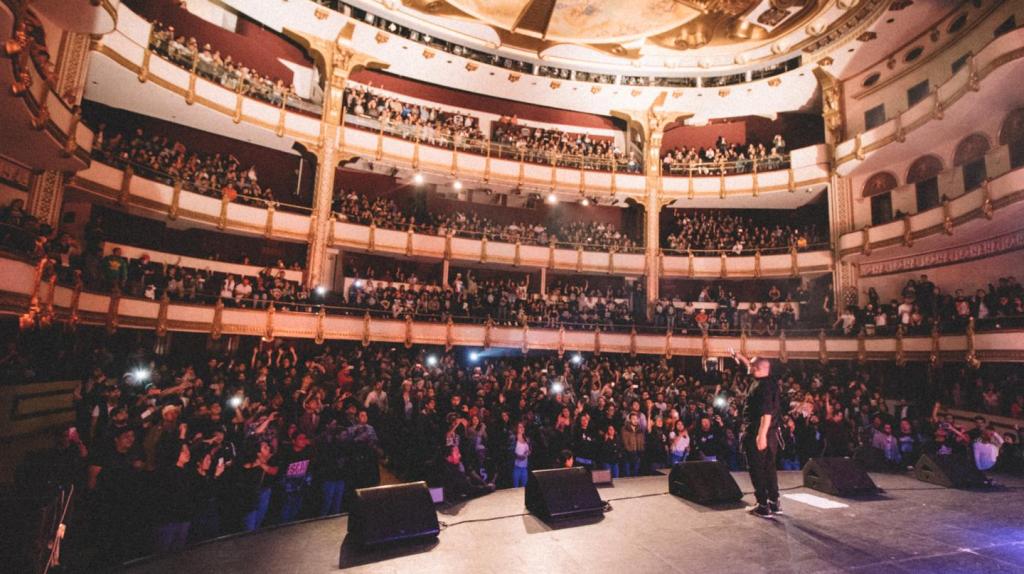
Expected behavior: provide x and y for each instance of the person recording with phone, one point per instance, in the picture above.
(761, 416)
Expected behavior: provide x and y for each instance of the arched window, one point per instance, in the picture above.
(1012, 136)
(923, 174)
(879, 188)
(970, 157)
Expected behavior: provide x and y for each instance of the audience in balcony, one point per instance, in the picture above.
(726, 158)
(432, 125)
(923, 305)
(727, 232)
(218, 175)
(386, 213)
(538, 145)
(222, 69)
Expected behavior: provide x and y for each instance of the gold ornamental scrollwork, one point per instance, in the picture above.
(757, 263)
(632, 341)
(526, 338)
(668, 343)
(516, 258)
(126, 185)
(551, 253)
(268, 227)
(448, 338)
(724, 272)
(865, 240)
(172, 211)
(933, 356)
(972, 353)
(483, 248)
(579, 258)
(862, 353)
(268, 329)
(783, 353)
(371, 241)
(822, 347)
(908, 232)
(447, 245)
(410, 235)
(794, 261)
(705, 348)
(947, 217)
(112, 311)
(222, 219)
(597, 340)
(901, 355)
(488, 325)
(161, 316)
(743, 341)
(987, 207)
(217, 327)
(320, 316)
(689, 262)
(561, 341)
(76, 297)
(366, 329)
(408, 332)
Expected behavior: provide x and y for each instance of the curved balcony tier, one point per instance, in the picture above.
(80, 16)
(122, 59)
(956, 102)
(154, 199)
(66, 304)
(997, 203)
(40, 130)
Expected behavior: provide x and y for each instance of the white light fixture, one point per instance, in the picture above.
(418, 178)
(585, 202)
(457, 185)
(431, 360)
(552, 198)
(321, 290)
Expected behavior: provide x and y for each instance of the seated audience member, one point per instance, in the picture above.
(458, 482)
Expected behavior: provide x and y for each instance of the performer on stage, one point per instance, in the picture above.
(761, 417)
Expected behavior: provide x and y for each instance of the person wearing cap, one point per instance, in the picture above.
(762, 413)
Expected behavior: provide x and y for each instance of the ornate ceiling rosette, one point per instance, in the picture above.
(630, 28)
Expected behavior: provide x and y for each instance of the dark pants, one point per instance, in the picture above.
(762, 469)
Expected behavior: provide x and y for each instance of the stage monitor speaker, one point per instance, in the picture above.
(838, 476)
(393, 513)
(561, 493)
(949, 470)
(704, 482)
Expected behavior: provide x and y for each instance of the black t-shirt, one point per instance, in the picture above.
(762, 399)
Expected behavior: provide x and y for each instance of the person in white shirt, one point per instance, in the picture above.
(986, 448)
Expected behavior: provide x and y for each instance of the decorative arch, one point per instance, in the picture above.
(1012, 130)
(879, 183)
(924, 167)
(971, 148)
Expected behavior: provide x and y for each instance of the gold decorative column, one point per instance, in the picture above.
(651, 122)
(336, 61)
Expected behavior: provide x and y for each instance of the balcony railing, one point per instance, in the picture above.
(311, 321)
(172, 202)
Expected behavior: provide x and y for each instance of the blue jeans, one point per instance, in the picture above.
(791, 464)
(291, 506)
(612, 466)
(334, 493)
(674, 458)
(171, 537)
(631, 464)
(252, 520)
(519, 476)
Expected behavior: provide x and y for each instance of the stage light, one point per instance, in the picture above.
(585, 202)
(577, 359)
(359, 283)
(140, 375)
(321, 290)
(557, 388)
(431, 360)
(552, 198)
(418, 178)
(474, 357)
(720, 402)
(457, 185)
(235, 402)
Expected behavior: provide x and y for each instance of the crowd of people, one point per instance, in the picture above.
(727, 232)
(431, 125)
(212, 65)
(572, 305)
(922, 305)
(386, 213)
(172, 450)
(219, 175)
(538, 145)
(725, 158)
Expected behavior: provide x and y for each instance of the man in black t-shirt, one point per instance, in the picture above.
(761, 417)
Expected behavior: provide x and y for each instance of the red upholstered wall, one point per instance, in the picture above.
(799, 130)
(470, 101)
(252, 45)
(275, 168)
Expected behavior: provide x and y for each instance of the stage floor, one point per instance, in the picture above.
(911, 527)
